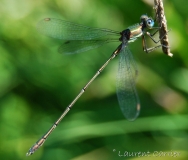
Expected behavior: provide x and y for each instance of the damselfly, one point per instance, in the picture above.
(78, 38)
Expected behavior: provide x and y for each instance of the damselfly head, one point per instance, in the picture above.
(147, 21)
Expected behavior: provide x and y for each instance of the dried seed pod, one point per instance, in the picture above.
(163, 32)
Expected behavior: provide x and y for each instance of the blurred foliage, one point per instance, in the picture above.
(37, 83)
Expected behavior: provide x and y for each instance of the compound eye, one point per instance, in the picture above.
(150, 23)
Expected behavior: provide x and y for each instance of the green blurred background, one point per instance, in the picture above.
(37, 83)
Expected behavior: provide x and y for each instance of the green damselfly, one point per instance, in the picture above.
(78, 38)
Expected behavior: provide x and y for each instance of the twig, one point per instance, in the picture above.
(163, 32)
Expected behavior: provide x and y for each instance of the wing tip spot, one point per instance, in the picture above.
(47, 19)
(138, 107)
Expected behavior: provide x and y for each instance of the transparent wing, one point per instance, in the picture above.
(126, 91)
(65, 30)
(72, 47)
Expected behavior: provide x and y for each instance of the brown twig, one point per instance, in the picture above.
(163, 32)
